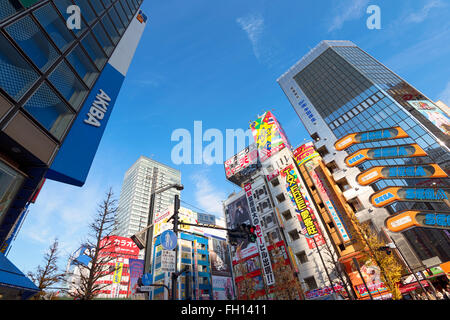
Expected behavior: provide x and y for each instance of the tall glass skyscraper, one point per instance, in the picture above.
(141, 179)
(58, 84)
(337, 89)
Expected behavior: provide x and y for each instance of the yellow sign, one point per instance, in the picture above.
(118, 272)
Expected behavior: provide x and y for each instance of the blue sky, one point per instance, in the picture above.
(217, 62)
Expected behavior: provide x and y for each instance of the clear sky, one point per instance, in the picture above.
(217, 62)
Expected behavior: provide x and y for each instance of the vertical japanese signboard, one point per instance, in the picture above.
(260, 242)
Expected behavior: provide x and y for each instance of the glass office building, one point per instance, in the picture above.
(58, 84)
(337, 89)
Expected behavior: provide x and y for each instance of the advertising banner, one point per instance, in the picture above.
(268, 135)
(369, 136)
(322, 292)
(432, 113)
(238, 213)
(219, 257)
(389, 195)
(260, 242)
(303, 207)
(372, 277)
(241, 160)
(222, 288)
(410, 218)
(115, 245)
(136, 271)
(330, 201)
(400, 151)
(374, 174)
(305, 153)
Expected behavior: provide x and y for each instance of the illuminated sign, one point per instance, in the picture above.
(400, 151)
(293, 188)
(244, 159)
(400, 172)
(369, 136)
(389, 195)
(410, 218)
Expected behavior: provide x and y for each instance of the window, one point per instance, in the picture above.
(294, 235)
(68, 85)
(302, 257)
(94, 50)
(8, 8)
(315, 136)
(311, 283)
(82, 65)
(49, 110)
(10, 182)
(286, 214)
(16, 74)
(275, 182)
(29, 37)
(102, 38)
(280, 197)
(355, 204)
(86, 10)
(109, 27)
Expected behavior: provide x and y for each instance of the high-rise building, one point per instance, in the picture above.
(286, 261)
(59, 81)
(143, 178)
(338, 89)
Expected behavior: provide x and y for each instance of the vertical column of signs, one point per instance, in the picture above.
(406, 219)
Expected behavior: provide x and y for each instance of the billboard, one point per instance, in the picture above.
(74, 159)
(238, 213)
(268, 135)
(369, 136)
(115, 245)
(260, 241)
(372, 277)
(246, 158)
(389, 195)
(219, 257)
(400, 151)
(136, 267)
(222, 288)
(433, 114)
(408, 219)
(374, 174)
(305, 153)
(329, 199)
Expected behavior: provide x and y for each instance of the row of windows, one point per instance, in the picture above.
(72, 63)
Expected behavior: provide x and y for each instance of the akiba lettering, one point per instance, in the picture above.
(98, 109)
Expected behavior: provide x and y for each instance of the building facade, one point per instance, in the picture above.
(141, 179)
(285, 262)
(58, 84)
(338, 89)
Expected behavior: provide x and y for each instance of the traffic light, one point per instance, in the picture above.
(234, 237)
(250, 231)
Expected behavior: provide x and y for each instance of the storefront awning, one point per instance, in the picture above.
(12, 280)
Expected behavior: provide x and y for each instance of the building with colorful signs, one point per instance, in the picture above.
(361, 115)
(284, 263)
(58, 87)
(203, 250)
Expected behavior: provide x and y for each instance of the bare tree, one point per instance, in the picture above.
(89, 283)
(48, 275)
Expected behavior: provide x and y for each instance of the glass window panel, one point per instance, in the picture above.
(82, 65)
(29, 37)
(45, 106)
(16, 74)
(102, 38)
(9, 8)
(98, 7)
(132, 5)
(55, 27)
(109, 27)
(10, 182)
(121, 13)
(116, 20)
(127, 9)
(68, 85)
(86, 10)
(94, 50)
(106, 3)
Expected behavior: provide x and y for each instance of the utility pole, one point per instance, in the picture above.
(176, 208)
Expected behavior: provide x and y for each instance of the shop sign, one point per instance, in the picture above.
(410, 218)
(370, 136)
(401, 151)
(374, 174)
(389, 195)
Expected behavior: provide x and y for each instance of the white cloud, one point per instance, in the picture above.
(420, 16)
(348, 11)
(206, 196)
(253, 25)
(445, 95)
